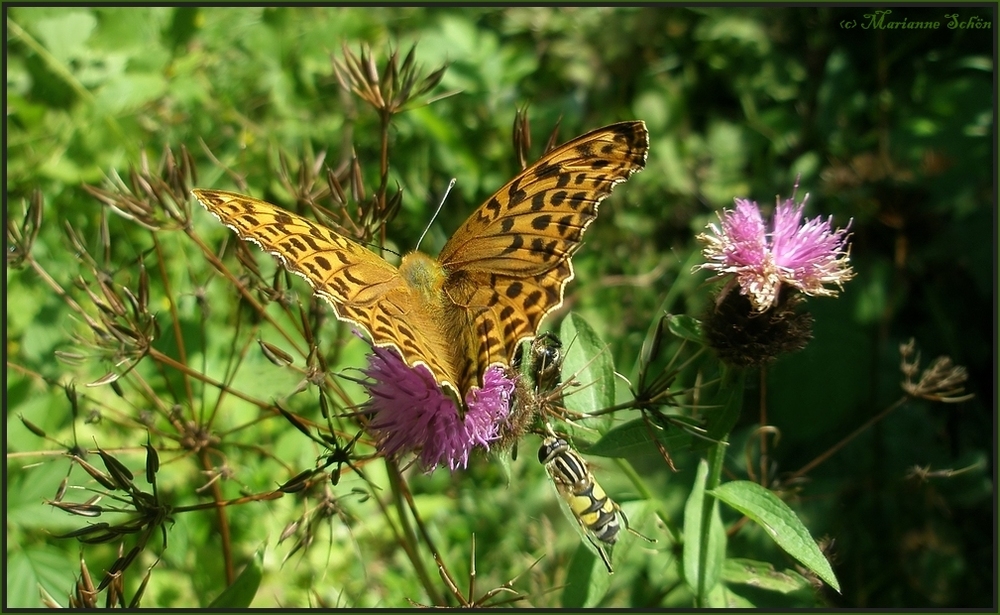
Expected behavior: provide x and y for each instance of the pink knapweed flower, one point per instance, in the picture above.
(807, 255)
(412, 414)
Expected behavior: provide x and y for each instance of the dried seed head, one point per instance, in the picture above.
(21, 237)
(942, 381)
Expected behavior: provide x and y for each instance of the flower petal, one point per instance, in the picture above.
(412, 414)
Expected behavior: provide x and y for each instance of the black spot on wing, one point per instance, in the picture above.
(544, 170)
(532, 300)
(351, 278)
(538, 201)
(515, 193)
(493, 206)
(516, 243)
(547, 250)
(540, 223)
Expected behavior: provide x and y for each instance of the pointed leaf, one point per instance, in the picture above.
(780, 521)
(586, 580)
(635, 437)
(686, 328)
(704, 548)
(241, 593)
(588, 360)
(763, 575)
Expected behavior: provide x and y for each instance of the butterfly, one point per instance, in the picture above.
(494, 281)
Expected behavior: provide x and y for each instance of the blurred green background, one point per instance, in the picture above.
(889, 129)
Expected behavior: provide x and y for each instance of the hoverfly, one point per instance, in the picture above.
(596, 513)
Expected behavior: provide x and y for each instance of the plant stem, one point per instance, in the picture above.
(839, 445)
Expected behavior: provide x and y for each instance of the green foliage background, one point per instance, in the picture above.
(890, 129)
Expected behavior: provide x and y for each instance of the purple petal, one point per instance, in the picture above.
(412, 414)
(807, 256)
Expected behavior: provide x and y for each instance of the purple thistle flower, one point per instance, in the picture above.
(805, 255)
(412, 413)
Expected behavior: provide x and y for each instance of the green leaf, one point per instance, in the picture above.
(635, 437)
(703, 553)
(29, 487)
(763, 575)
(31, 568)
(686, 328)
(586, 580)
(721, 598)
(589, 362)
(128, 92)
(525, 368)
(64, 36)
(241, 593)
(764, 508)
(503, 459)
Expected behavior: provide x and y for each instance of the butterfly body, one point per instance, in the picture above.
(423, 275)
(494, 281)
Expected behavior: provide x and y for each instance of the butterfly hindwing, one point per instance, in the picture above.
(410, 331)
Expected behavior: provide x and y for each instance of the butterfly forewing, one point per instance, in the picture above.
(539, 217)
(341, 270)
(363, 289)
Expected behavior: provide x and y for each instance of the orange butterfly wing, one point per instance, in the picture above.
(362, 288)
(508, 265)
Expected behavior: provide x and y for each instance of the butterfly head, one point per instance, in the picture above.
(422, 274)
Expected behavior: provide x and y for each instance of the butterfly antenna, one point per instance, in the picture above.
(447, 191)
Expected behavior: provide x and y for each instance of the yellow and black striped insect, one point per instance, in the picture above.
(596, 513)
